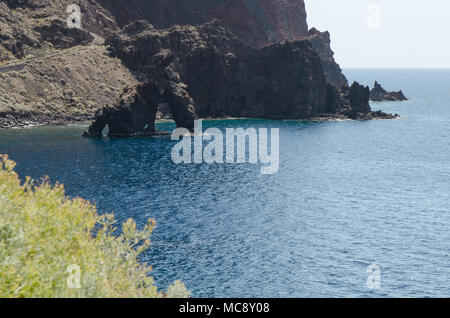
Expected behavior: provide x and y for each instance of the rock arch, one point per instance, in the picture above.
(135, 113)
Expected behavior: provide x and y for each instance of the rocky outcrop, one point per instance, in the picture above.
(258, 22)
(238, 67)
(378, 93)
(181, 104)
(207, 71)
(321, 42)
(134, 114)
(359, 101)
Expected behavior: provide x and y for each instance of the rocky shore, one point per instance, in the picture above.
(208, 72)
(208, 59)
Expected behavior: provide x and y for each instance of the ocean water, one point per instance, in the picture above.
(348, 195)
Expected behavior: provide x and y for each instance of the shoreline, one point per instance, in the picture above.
(209, 119)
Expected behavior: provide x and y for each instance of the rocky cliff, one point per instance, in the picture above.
(39, 54)
(259, 22)
(207, 71)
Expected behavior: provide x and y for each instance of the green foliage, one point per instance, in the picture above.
(48, 247)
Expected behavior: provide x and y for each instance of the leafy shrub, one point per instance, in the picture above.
(54, 246)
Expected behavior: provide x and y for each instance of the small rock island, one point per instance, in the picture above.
(378, 93)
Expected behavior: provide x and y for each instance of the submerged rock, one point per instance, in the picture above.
(378, 93)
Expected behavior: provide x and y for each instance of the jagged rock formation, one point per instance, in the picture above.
(207, 71)
(359, 101)
(41, 86)
(321, 42)
(353, 103)
(378, 93)
(258, 22)
(135, 112)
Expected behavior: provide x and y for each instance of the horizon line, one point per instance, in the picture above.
(396, 68)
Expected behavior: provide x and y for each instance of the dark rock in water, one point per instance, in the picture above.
(378, 93)
(359, 100)
(355, 104)
(206, 71)
(399, 96)
(182, 105)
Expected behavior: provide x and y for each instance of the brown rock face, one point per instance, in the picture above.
(135, 112)
(378, 93)
(259, 22)
(238, 67)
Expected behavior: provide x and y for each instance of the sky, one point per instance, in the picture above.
(385, 33)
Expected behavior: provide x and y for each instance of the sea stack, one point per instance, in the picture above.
(378, 93)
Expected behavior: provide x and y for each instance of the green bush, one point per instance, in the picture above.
(54, 246)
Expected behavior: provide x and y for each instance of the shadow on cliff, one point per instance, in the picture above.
(208, 72)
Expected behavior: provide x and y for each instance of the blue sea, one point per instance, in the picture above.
(347, 195)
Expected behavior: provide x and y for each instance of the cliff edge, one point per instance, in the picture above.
(207, 71)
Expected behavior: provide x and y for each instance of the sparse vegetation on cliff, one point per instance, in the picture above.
(53, 246)
(61, 88)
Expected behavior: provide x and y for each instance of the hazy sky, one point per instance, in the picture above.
(385, 33)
